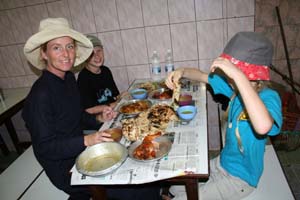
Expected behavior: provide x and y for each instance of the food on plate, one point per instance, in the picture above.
(176, 95)
(162, 95)
(131, 129)
(160, 115)
(155, 119)
(147, 86)
(135, 107)
(151, 86)
(148, 148)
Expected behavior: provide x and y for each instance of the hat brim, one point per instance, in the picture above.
(84, 47)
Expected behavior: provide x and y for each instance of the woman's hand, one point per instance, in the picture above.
(96, 138)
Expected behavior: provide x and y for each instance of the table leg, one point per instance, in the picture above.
(13, 134)
(191, 186)
(3, 146)
(98, 192)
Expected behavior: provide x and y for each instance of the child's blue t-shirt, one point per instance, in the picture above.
(248, 163)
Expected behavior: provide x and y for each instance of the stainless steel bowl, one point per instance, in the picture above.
(101, 158)
(165, 145)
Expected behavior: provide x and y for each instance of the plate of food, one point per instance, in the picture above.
(150, 86)
(152, 148)
(161, 94)
(134, 106)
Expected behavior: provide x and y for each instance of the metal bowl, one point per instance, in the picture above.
(165, 146)
(101, 158)
(128, 108)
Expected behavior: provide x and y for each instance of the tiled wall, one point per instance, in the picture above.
(266, 21)
(195, 30)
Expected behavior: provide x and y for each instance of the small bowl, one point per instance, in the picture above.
(116, 133)
(138, 93)
(185, 99)
(187, 112)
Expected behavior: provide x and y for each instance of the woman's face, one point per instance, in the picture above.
(60, 55)
(97, 58)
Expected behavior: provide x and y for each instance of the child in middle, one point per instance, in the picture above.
(95, 81)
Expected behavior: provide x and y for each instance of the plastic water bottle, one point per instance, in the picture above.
(156, 68)
(169, 67)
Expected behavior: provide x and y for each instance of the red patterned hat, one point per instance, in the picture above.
(252, 53)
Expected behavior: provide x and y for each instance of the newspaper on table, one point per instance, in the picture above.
(189, 152)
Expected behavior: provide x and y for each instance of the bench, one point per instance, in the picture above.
(43, 189)
(25, 179)
(273, 184)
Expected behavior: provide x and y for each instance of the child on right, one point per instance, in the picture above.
(241, 73)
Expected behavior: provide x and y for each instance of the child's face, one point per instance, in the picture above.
(97, 58)
(254, 84)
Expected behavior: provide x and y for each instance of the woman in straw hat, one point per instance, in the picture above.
(52, 111)
(254, 112)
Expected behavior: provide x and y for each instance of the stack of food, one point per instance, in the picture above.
(153, 120)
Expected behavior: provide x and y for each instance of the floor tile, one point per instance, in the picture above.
(290, 163)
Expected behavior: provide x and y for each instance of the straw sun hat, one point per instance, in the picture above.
(52, 28)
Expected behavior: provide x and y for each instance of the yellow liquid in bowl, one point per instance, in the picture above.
(101, 162)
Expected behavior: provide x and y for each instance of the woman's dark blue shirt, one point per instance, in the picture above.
(53, 116)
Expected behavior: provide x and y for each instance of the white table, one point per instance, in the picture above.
(192, 156)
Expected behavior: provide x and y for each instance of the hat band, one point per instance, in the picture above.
(252, 71)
